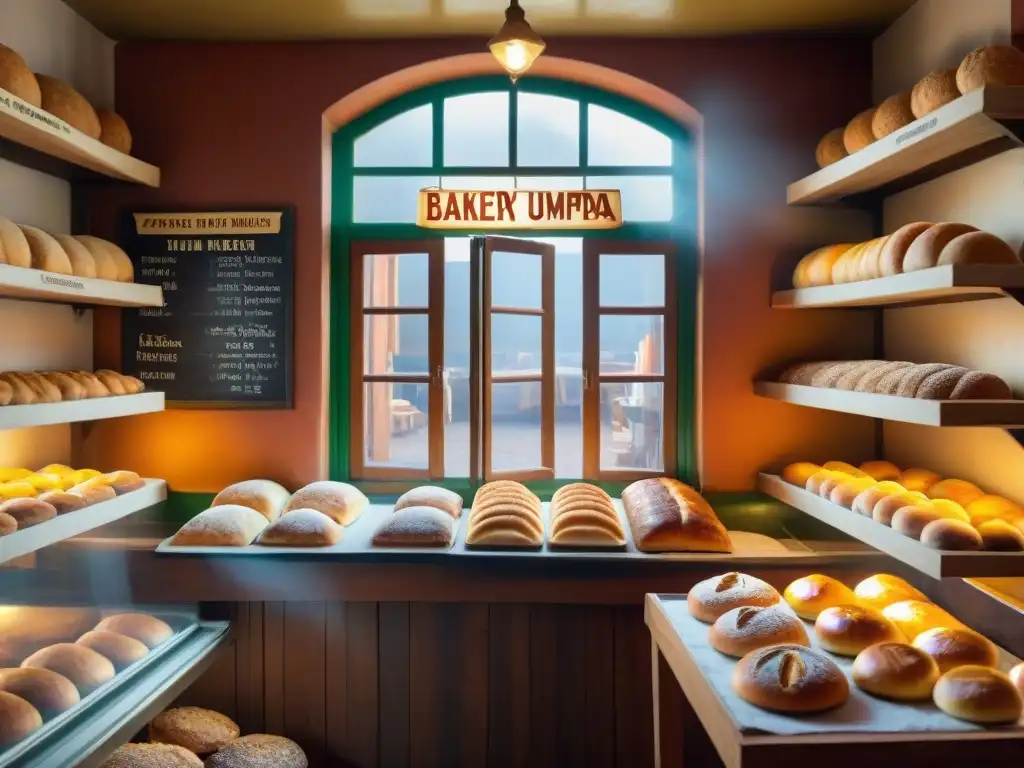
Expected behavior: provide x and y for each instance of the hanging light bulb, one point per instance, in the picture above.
(516, 46)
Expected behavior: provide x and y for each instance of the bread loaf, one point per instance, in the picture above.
(895, 670)
(107, 266)
(432, 496)
(94, 494)
(990, 65)
(916, 616)
(229, 525)
(666, 515)
(17, 79)
(810, 595)
(819, 269)
(26, 629)
(85, 668)
(6, 393)
(1001, 536)
(714, 597)
(892, 114)
(28, 512)
(93, 386)
(416, 527)
(890, 260)
(47, 254)
(799, 472)
(198, 730)
(82, 262)
(259, 750)
(858, 133)
(120, 650)
(926, 248)
(932, 91)
(831, 148)
(790, 678)
(18, 718)
(876, 380)
(843, 266)
(64, 102)
(112, 382)
(950, 534)
(505, 514)
(70, 389)
(881, 470)
(114, 131)
(830, 375)
(849, 629)
(849, 380)
(953, 647)
(124, 481)
(582, 515)
(742, 630)
(341, 502)
(301, 528)
(882, 590)
(978, 695)
(265, 496)
(47, 691)
(14, 247)
(148, 630)
(152, 756)
(978, 248)
(123, 262)
(803, 373)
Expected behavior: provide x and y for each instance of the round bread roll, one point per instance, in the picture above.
(64, 102)
(951, 534)
(14, 248)
(148, 630)
(125, 267)
(858, 133)
(849, 629)
(50, 693)
(47, 254)
(790, 678)
(951, 509)
(82, 262)
(302, 528)
(990, 507)
(882, 590)
(867, 499)
(799, 472)
(8, 524)
(892, 114)
(831, 148)
(713, 597)
(842, 466)
(742, 630)
(933, 91)
(17, 79)
(123, 481)
(114, 131)
(152, 756)
(829, 484)
(815, 481)
(910, 521)
(819, 270)
(1017, 676)
(895, 671)
(94, 493)
(26, 629)
(953, 647)
(201, 731)
(978, 248)
(959, 491)
(28, 512)
(122, 651)
(810, 595)
(258, 750)
(990, 65)
(265, 496)
(847, 491)
(926, 248)
(887, 507)
(84, 667)
(890, 261)
(913, 617)
(341, 502)
(919, 480)
(1000, 536)
(978, 695)
(107, 266)
(18, 718)
(443, 499)
(881, 471)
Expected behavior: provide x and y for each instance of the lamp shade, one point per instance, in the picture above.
(516, 46)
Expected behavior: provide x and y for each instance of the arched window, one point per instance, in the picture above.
(565, 356)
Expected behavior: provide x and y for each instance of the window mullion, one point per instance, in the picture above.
(513, 131)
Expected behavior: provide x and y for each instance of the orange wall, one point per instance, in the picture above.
(240, 124)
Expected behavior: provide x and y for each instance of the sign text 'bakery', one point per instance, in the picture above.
(519, 209)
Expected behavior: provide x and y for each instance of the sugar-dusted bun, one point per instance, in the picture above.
(858, 133)
(799, 472)
(913, 617)
(152, 756)
(124, 481)
(896, 671)
(114, 131)
(83, 666)
(990, 65)
(887, 507)
(892, 114)
(849, 629)
(49, 692)
(16, 78)
(951, 534)
(881, 470)
(978, 248)
(1000, 536)
(18, 718)
(933, 91)
(915, 479)
(991, 507)
(713, 597)
(432, 496)
(790, 678)
(202, 731)
(301, 528)
(742, 630)
(910, 521)
(416, 527)
(810, 595)
(107, 265)
(978, 695)
(882, 590)
(122, 651)
(953, 647)
(82, 262)
(265, 496)
(341, 502)
(259, 750)
(229, 525)
(831, 148)
(924, 252)
(47, 254)
(867, 499)
(148, 630)
(63, 101)
(28, 512)
(960, 491)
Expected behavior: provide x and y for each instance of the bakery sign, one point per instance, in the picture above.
(519, 209)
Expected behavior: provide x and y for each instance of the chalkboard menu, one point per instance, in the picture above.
(223, 338)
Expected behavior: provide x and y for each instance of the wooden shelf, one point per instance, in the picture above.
(93, 409)
(34, 138)
(937, 285)
(65, 526)
(936, 563)
(36, 285)
(1006, 414)
(959, 134)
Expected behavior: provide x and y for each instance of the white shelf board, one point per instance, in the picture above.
(93, 409)
(937, 285)
(1006, 414)
(935, 562)
(65, 526)
(953, 136)
(40, 131)
(37, 285)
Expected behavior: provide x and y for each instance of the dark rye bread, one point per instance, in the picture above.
(913, 377)
(940, 385)
(802, 373)
(869, 381)
(830, 374)
(976, 385)
(849, 380)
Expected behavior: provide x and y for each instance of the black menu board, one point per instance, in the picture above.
(223, 338)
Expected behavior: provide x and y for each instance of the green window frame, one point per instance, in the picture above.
(681, 230)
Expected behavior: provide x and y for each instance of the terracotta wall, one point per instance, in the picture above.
(241, 124)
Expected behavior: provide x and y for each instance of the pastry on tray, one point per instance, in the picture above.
(505, 514)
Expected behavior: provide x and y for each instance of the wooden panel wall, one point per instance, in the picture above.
(441, 684)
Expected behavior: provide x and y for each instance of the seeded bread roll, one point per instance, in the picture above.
(892, 114)
(847, 630)
(259, 751)
(890, 261)
(265, 496)
(745, 629)
(63, 101)
(810, 595)
(85, 668)
(301, 528)
(714, 597)
(229, 525)
(82, 262)
(790, 678)
(882, 590)
(951, 534)
(148, 630)
(976, 385)
(978, 695)
(895, 670)
(18, 718)
(107, 266)
(47, 691)
(913, 617)
(432, 496)
(122, 651)
(1001, 536)
(341, 502)
(831, 148)
(114, 131)
(28, 512)
(940, 385)
(47, 254)
(666, 515)
(978, 248)
(858, 133)
(152, 756)
(828, 376)
(417, 527)
(926, 248)
(932, 91)
(17, 79)
(198, 730)
(953, 647)
(990, 65)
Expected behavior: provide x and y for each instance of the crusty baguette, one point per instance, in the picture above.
(666, 515)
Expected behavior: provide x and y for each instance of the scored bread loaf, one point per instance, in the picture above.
(341, 502)
(70, 389)
(666, 515)
(505, 513)
(930, 381)
(21, 392)
(420, 526)
(14, 247)
(301, 528)
(265, 496)
(47, 254)
(229, 525)
(582, 515)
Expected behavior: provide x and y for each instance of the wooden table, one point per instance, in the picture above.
(693, 727)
